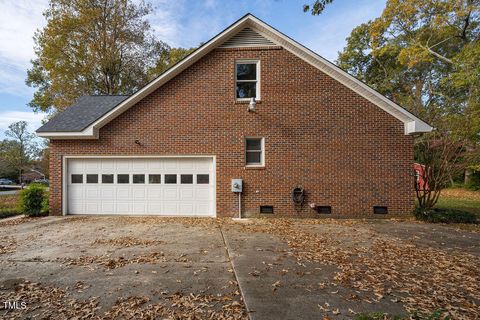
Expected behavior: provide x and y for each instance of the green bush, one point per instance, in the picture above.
(33, 200)
(474, 183)
(439, 215)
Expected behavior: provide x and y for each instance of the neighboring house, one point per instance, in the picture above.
(420, 177)
(173, 147)
(29, 176)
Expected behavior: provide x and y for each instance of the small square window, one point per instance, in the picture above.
(154, 178)
(170, 179)
(92, 178)
(123, 178)
(186, 178)
(203, 179)
(77, 178)
(107, 178)
(138, 178)
(254, 151)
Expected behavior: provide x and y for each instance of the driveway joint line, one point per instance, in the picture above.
(230, 258)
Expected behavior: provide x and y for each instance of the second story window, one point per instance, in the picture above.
(247, 79)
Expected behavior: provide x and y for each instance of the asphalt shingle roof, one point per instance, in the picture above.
(85, 111)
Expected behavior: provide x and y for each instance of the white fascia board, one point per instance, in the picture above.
(88, 133)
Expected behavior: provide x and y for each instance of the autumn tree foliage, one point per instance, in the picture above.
(94, 47)
(424, 55)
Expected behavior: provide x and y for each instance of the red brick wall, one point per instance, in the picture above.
(345, 151)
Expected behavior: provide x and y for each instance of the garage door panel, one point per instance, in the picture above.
(139, 165)
(156, 198)
(107, 165)
(139, 207)
(92, 165)
(170, 208)
(154, 193)
(170, 193)
(186, 194)
(203, 208)
(108, 207)
(75, 207)
(203, 194)
(123, 193)
(186, 208)
(75, 166)
(92, 207)
(154, 207)
(107, 193)
(171, 164)
(186, 164)
(139, 193)
(123, 165)
(92, 193)
(76, 192)
(123, 207)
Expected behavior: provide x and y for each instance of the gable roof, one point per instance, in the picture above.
(412, 123)
(85, 111)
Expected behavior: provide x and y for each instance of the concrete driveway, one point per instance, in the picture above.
(174, 268)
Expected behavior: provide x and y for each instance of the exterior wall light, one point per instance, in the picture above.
(252, 105)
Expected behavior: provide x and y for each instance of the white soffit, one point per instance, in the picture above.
(412, 123)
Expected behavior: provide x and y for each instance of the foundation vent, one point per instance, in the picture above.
(380, 210)
(266, 209)
(324, 209)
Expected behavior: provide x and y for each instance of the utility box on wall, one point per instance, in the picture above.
(237, 185)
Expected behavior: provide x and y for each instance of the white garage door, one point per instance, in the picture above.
(143, 186)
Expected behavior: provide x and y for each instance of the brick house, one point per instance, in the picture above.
(249, 104)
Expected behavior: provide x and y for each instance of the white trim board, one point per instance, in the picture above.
(412, 123)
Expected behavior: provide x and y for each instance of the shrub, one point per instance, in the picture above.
(474, 183)
(32, 200)
(439, 215)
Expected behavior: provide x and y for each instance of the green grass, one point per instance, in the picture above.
(460, 199)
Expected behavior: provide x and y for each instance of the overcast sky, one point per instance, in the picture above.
(178, 23)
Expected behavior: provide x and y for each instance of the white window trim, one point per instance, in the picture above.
(262, 155)
(257, 87)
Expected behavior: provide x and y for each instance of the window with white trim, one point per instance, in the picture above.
(247, 79)
(254, 151)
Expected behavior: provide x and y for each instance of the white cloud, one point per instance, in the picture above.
(34, 120)
(18, 22)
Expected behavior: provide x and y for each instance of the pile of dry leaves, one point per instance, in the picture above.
(47, 302)
(110, 262)
(178, 306)
(7, 245)
(126, 242)
(15, 221)
(423, 279)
